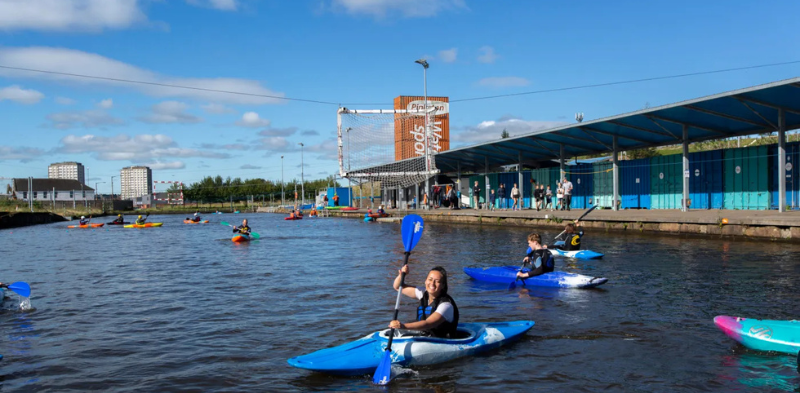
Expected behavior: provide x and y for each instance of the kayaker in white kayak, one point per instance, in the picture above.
(84, 221)
(437, 312)
(243, 229)
(570, 240)
(539, 257)
(140, 220)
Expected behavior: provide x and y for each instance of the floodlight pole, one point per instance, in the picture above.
(283, 192)
(302, 178)
(424, 64)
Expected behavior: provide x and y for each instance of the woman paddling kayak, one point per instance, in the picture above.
(539, 257)
(437, 313)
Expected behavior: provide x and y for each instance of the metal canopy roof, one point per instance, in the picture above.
(747, 111)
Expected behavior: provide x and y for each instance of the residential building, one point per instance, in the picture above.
(67, 170)
(52, 190)
(136, 181)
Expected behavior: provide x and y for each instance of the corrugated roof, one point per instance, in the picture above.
(21, 185)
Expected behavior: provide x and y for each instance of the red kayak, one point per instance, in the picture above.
(240, 238)
(85, 226)
(293, 218)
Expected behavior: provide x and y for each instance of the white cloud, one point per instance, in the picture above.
(327, 149)
(164, 165)
(69, 15)
(84, 63)
(248, 166)
(106, 104)
(487, 55)
(18, 94)
(216, 109)
(225, 5)
(232, 146)
(139, 148)
(278, 131)
(406, 8)
(503, 81)
(448, 55)
(274, 143)
(87, 119)
(490, 130)
(251, 119)
(23, 154)
(170, 112)
(65, 101)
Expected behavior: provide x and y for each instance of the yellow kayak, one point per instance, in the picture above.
(146, 225)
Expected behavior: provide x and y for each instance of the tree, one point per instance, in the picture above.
(504, 134)
(647, 152)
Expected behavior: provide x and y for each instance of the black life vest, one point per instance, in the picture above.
(572, 241)
(245, 230)
(548, 262)
(446, 329)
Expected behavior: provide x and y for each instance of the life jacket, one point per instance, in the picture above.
(548, 263)
(572, 241)
(196, 219)
(84, 222)
(445, 329)
(140, 221)
(244, 230)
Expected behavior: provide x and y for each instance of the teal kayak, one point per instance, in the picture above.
(409, 348)
(762, 334)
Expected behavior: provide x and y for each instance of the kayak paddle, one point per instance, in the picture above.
(253, 234)
(20, 288)
(411, 232)
(579, 218)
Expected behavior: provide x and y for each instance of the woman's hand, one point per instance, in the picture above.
(396, 325)
(404, 269)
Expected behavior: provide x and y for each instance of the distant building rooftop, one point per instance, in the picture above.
(21, 185)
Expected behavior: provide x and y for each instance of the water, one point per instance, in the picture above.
(183, 308)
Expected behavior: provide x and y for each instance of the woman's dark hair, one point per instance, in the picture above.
(444, 278)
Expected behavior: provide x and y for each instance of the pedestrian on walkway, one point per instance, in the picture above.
(515, 197)
(476, 194)
(491, 200)
(559, 196)
(567, 193)
(501, 196)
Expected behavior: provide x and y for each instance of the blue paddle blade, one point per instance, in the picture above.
(412, 231)
(383, 374)
(21, 288)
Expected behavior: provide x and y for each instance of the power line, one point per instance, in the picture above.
(626, 82)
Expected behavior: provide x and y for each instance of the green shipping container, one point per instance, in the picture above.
(482, 184)
(746, 178)
(546, 177)
(494, 183)
(666, 187)
(603, 184)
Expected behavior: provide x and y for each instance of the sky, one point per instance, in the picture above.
(294, 62)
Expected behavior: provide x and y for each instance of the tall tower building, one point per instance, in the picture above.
(67, 170)
(136, 181)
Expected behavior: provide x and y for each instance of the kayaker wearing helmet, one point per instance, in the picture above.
(243, 229)
(84, 221)
(381, 212)
(437, 312)
(140, 220)
(196, 217)
(570, 240)
(539, 257)
(119, 219)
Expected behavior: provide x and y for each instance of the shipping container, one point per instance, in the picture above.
(527, 187)
(706, 180)
(342, 192)
(507, 179)
(666, 184)
(545, 177)
(634, 184)
(481, 179)
(603, 184)
(493, 184)
(792, 173)
(746, 178)
(409, 130)
(581, 177)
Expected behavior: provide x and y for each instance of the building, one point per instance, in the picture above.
(51, 190)
(136, 181)
(67, 170)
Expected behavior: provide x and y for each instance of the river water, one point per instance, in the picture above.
(182, 308)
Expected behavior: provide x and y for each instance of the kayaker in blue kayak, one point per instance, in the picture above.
(141, 220)
(437, 313)
(243, 229)
(539, 257)
(570, 240)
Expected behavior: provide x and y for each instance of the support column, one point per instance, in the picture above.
(458, 184)
(486, 182)
(615, 174)
(416, 196)
(561, 162)
(685, 168)
(519, 173)
(782, 161)
(400, 198)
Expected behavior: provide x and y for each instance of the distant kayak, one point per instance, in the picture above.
(762, 334)
(119, 223)
(362, 356)
(240, 238)
(349, 208)
(508, 274)
(376, 215)
(195, 222)
(90, 225)
(146, 225)
(293, 218)
(578, 254)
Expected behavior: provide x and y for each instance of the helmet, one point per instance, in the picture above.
(140, 216)
(119, 215)
(195, 214)
(82, 217)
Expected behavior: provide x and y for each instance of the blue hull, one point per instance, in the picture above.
(762, 334)
(507, 274)
(362, 356)
(578, 254)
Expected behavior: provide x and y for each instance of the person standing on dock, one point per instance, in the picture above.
(567, 193)
(335, 199)
(548, 198)
(491, 200)
(559, 196)
(501, 196)
(515, 197)
(476, 194)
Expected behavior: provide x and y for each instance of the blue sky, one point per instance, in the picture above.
(344, 51)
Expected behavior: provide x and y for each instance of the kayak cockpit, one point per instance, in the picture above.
(463, 336)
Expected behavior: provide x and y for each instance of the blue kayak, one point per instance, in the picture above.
(409, 348)
(762, 334)
(578, 254)
(508, 274)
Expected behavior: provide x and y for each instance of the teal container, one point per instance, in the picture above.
(603, 184)
(747, 178)
(482, 184)
(666, 186)
(545, 176)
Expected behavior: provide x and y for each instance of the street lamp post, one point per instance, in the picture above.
(112, 188)
(424, 64)
(302, 178)
(95, 188)
(283, 193)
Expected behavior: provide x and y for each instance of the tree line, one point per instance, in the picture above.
(217, 189)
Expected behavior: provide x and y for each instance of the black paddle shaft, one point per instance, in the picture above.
(397, 304)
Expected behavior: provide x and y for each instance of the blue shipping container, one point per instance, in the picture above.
(634, 184)
(507, 179)
(582, 180)
(342, 192)
(706, 179)
(792, 173)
